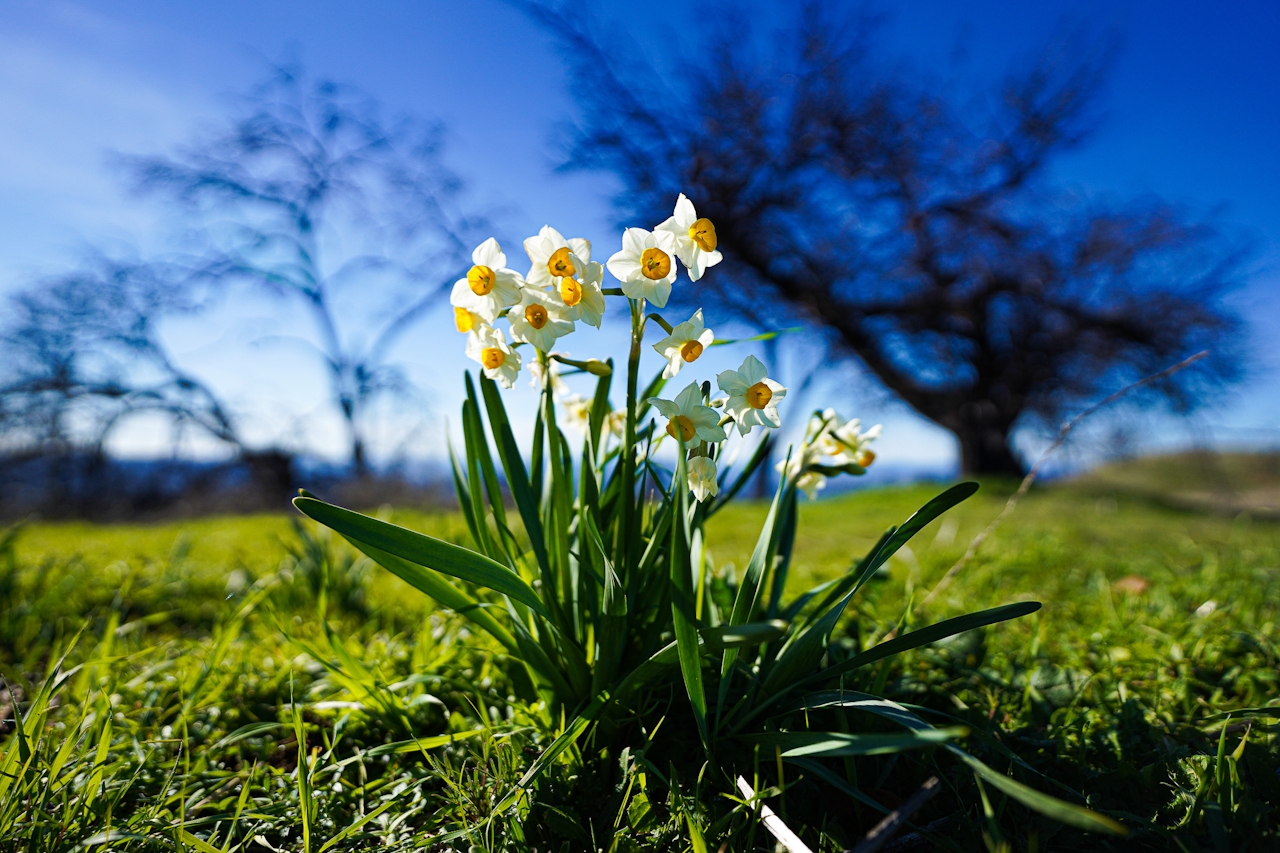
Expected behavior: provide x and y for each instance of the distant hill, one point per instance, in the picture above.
(1227, 483)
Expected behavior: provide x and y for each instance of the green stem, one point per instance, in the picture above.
(657, 318)
(630, 515)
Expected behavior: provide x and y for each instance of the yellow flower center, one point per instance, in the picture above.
(865, 458)
(655, 264)
(559, 263)
(686, 427)
(464, 320)
(481, 279)
(703, 233)
(759, 395)
(570, 291)
(492, 357)
(690, 351)
(536, 315)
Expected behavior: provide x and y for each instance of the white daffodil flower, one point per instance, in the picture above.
(577, 410)
(685, 344)
(558, 386)
(616, 423)
(467, 321)
(500, 362)
(845, 442)
(695, 238)
(580, 291)
(549, 252)
(702, 478)
(645, 266)
(489, 286)
(806, 479)
(539, 319)
(753, 397)
(688, 418)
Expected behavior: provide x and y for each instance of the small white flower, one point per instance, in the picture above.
(695, 238)
(692, 419)
(577, 410)
(581, 295)
(549, 251)
(685, 344)
(539, 319)
(489, 286)
(558, 385)
(467, 321)
(616, 422)
(753, 397)
(645, 266)
(500, 362)
(807, 481)
(702, 477)
(1207, 608)
(845, 442)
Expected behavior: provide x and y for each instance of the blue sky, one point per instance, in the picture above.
(1192, 113)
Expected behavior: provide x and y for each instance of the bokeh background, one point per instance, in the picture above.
(1188, 112)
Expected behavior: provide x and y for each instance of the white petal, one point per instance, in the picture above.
(580, 247)
(660, 292)
(752, 371)
(489, 254)
(684, 213)
(635, 241)
(533, 248)
(670, 224)
(552, 237)
(732, 383)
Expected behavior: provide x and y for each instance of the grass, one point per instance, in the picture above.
(205, 704)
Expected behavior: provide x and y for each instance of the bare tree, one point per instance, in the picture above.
(924, 236)
(314, 196)
(83, 354)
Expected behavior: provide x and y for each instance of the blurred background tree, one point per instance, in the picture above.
(314, 196)
(923, 234)
(309, 195)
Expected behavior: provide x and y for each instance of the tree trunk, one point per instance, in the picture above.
(983, 434)
(272, 474)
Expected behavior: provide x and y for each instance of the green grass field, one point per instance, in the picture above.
(205, 704)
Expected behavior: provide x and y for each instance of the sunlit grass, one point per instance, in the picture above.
(197, 640)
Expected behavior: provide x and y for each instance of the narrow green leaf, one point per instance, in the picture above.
(446, 594)
(925, 636)
(356, 827)
(913, 525)
(611, 633)
(403, 747)
(836, 744)
(744, 602)
(781, 563)
(460, 490)
(758, 457)
(562, 742)
(737, 636)
(513, 467)
(422, 550)
(1068, 813)
(472, 437)
(486, 460)
(682, 597)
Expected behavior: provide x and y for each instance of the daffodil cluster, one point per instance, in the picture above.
(564, 287)
(831, 446)
(561, 289)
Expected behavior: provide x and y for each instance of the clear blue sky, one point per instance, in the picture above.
(1192, 114)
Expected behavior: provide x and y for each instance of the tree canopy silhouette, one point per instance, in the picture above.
(923, 235)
